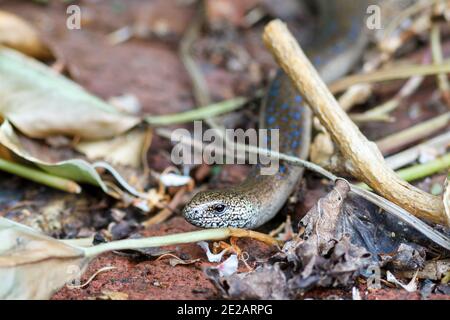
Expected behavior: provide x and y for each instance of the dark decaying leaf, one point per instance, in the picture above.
(265, 282)
(407, 257)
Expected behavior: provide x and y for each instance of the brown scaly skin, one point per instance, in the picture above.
(260, 197)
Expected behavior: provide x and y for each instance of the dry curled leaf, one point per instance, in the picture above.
(16, 33)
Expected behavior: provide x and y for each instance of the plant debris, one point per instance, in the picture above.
(342, 239)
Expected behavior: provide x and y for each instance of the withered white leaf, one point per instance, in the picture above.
(33, 265)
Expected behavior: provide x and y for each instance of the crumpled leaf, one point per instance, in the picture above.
(322, 220)
(41, 103)
(33, 265)
(337, 267)
(16, 33)
(126, 149)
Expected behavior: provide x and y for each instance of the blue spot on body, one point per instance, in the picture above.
(271, 107)
(282, 169)
(298, 98)
(284, 106)
(295, 133)
(273, 92)
(271, 120)
(294, 144)
(297, 115)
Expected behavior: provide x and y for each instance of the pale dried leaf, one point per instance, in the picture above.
(41, 103)
(124, 150)
(33, 265)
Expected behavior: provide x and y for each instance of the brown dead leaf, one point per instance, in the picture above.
(322, 220)
(16, 33)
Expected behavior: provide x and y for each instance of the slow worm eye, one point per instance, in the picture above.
(219, 208)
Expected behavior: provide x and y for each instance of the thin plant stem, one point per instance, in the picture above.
(201, 113)
(426, 169)
(393, 73)
(414, 133)
(39, 176)
(179, 238)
